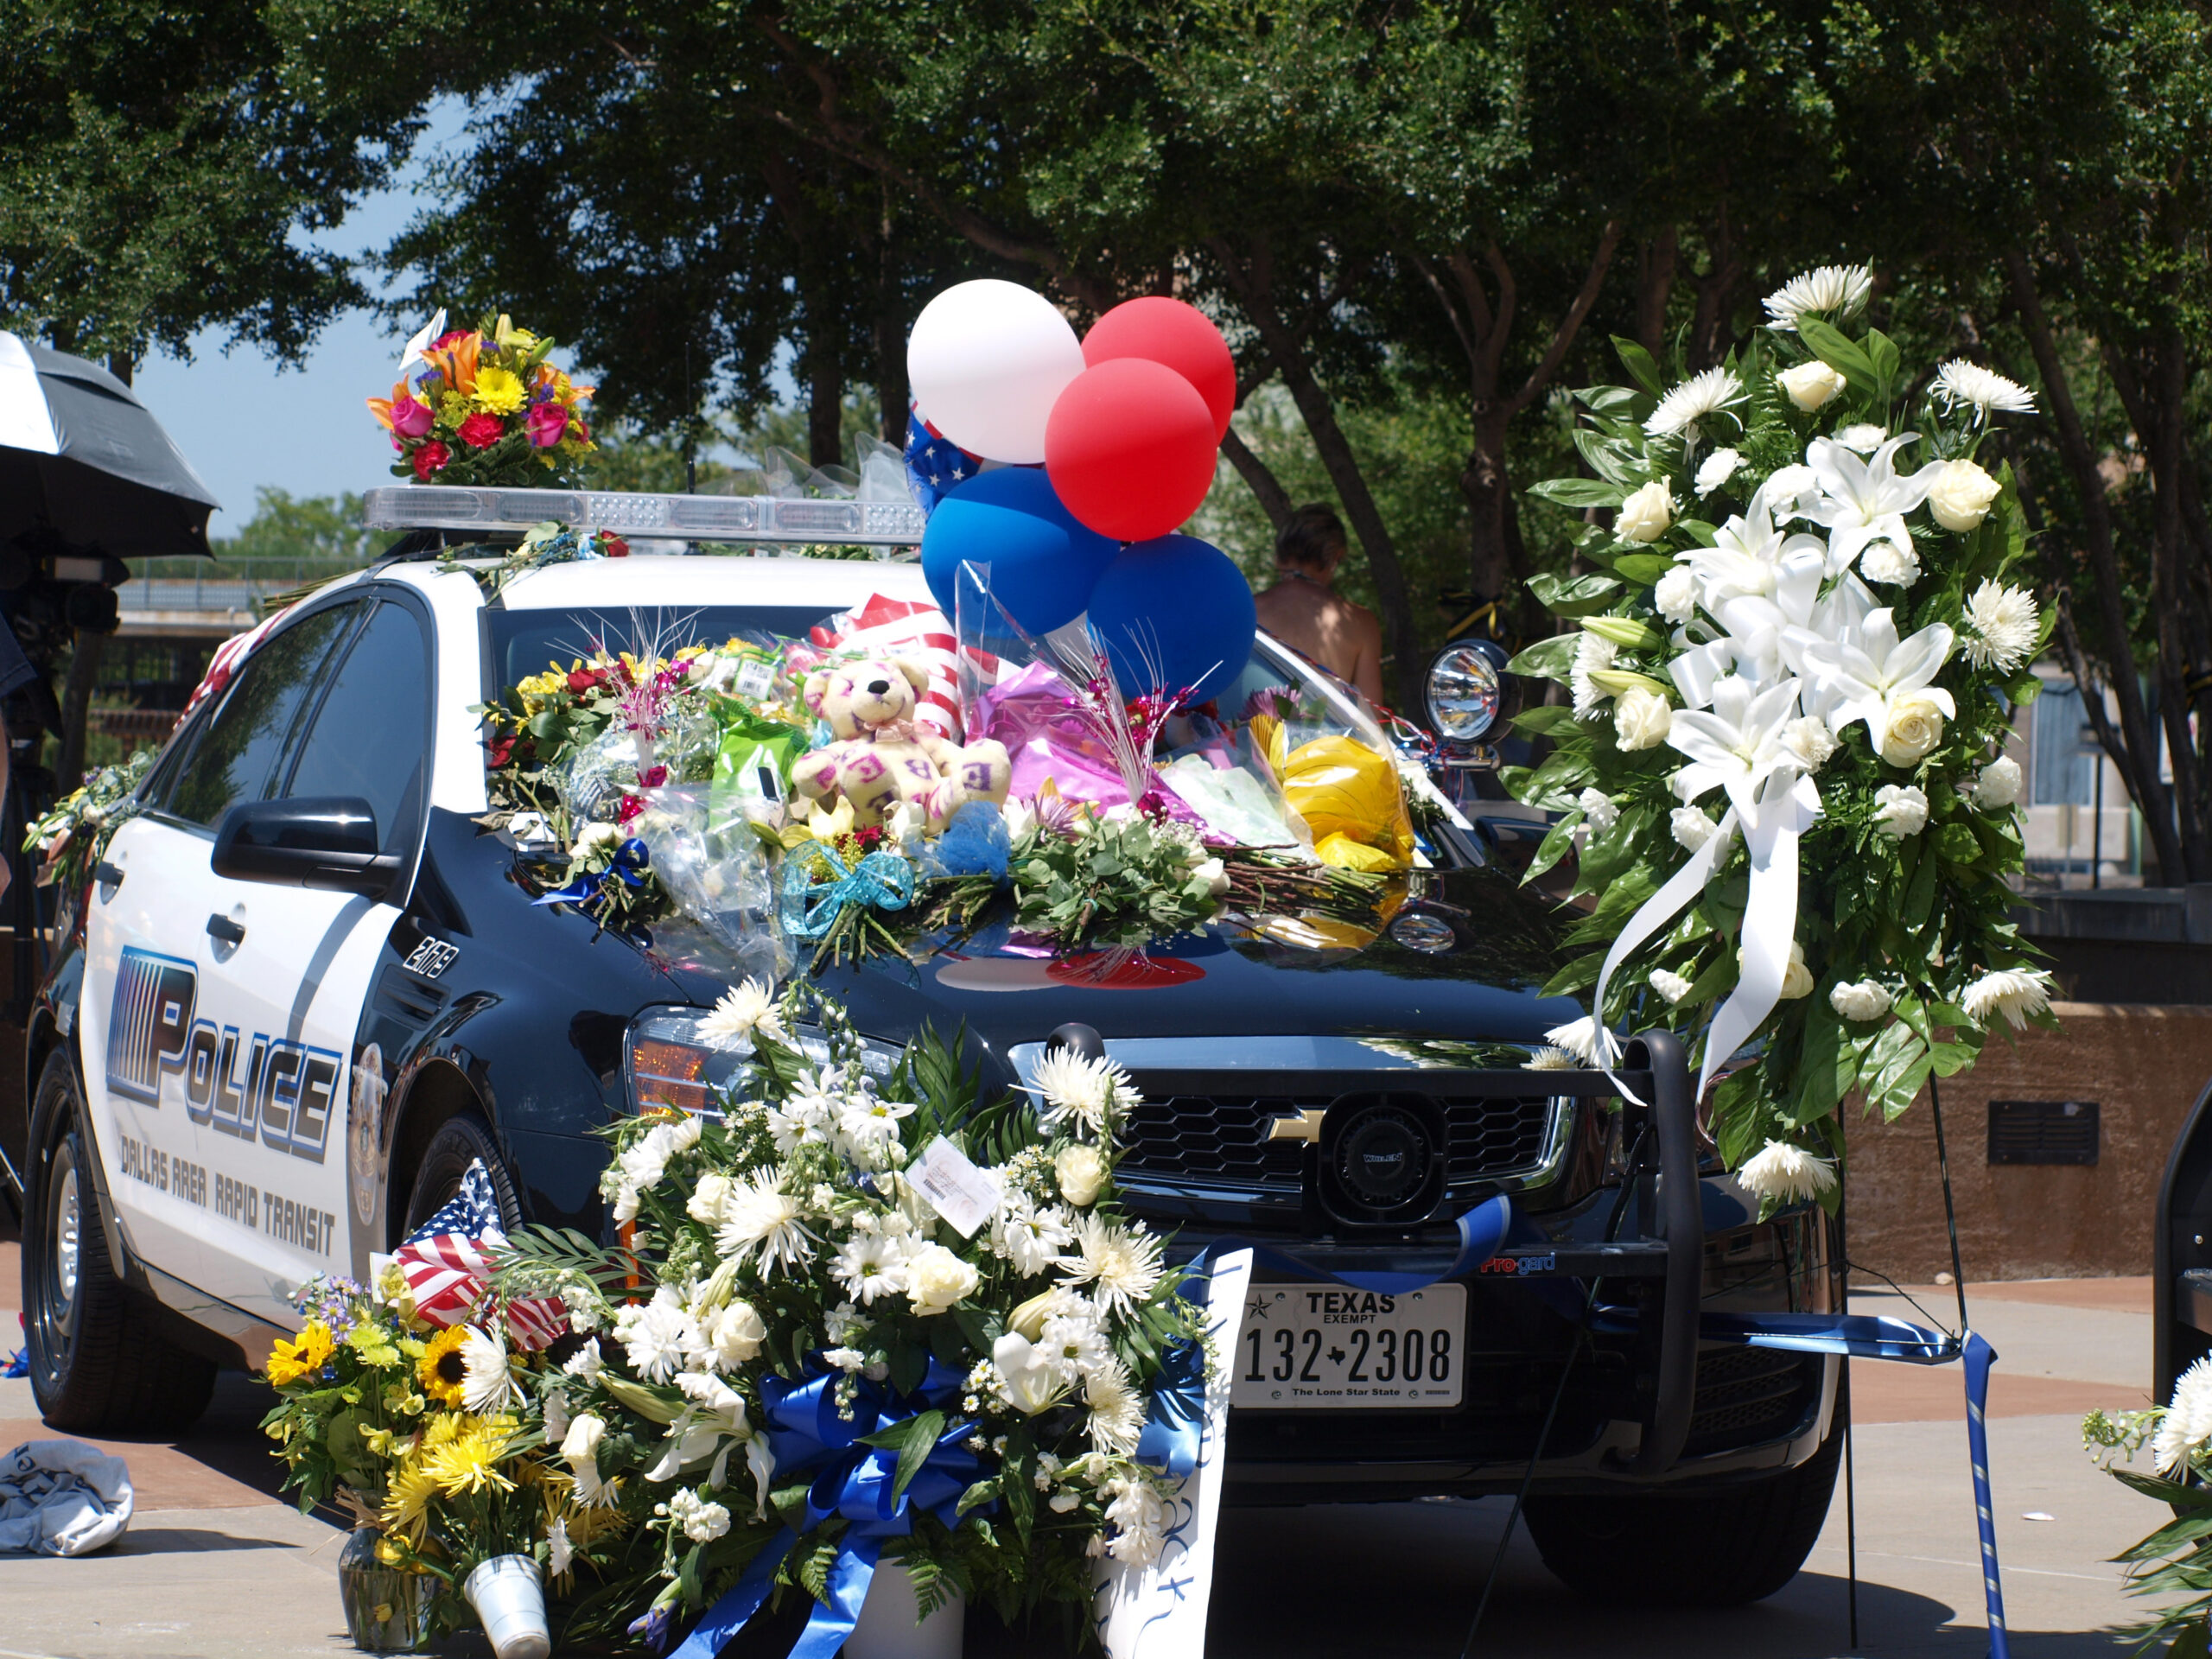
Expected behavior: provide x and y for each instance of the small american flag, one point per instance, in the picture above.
(935, 465)
(448, 1265)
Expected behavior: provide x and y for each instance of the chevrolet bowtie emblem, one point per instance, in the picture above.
(1305, 1126)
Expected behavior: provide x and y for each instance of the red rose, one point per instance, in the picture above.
(868, 839)
(482, 431)
(652, 777)
(502, 749)
(615, 547)
(583, 680)
(431, 458)
(447, 338)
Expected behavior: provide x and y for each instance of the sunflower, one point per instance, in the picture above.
(407, 1496)
(303, 1356)
(441, 1370)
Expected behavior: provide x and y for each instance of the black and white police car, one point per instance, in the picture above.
(305, 988)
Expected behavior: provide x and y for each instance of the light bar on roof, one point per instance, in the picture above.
(681, 518)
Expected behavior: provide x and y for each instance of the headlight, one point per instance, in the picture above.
(1465, 690)
(669, 1058)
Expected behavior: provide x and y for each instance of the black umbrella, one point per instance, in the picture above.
(83, 460)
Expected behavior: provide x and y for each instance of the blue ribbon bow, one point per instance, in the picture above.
(631, 861)
(807, 1433)
(811, 908)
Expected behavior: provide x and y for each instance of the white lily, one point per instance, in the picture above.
(1736, 745)
(1866, 680)
(1862, 500)
(716, 1414)
(1749, 552)
(421, 341)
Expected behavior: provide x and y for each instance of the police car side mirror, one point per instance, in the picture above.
(326, 842)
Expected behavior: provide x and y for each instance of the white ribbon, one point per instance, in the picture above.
(1785, 811)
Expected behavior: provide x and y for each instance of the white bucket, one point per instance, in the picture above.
(509, 1596)
(887, 1627)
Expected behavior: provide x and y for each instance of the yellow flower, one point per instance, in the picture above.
(441, 1370)
(303, 1356)
(470, 1462)
(407, 1497)
(444, 1428)
(508, 337)
(373, 1344)
(830, 826)
(453, 408)
(497, 391)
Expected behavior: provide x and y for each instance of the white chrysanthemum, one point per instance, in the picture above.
(1832, 292)
(1785, 485)
(1586, 1040)
(1669, 985)
(486, 1386)
(1999, 785)
(1786, 1173)
(658, 1336)
(2001, 629)
(1697, 399)
(1691, 827)
(1080, 1094)
(1551, 1059)
(2188, 1422)
(1866, 1000)
(743, 1010)
(758, 1216)
(1591, 653)
(702, 1522)
(1715, 470)
(1900, 809)
(1676, 595)
(1598, 811)
(1808, 742)
(1986, 392)
(2017, 993)
(1117, 1411)
(870, 1265)
(1139, 1515)
(1077, 1346)
(1862, 437)
(1120, 1263)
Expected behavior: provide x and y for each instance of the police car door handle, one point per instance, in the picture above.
(107, 875)
(224, 929)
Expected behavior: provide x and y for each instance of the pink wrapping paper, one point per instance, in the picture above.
(1047, 737)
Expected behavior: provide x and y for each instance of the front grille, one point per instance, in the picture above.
(1221, 1139)
(1748, 1394)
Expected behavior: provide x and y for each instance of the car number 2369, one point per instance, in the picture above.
(1310, 1347)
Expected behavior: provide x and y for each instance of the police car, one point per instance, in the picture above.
(305, 988)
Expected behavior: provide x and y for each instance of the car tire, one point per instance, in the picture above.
(460, 1141)
(100, 1363)
(1692, 1550)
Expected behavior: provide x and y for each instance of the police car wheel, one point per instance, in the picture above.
(1692, 1550)
(459, 1142)
(99, 1360)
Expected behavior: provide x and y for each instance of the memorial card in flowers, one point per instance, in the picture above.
(1793, 668)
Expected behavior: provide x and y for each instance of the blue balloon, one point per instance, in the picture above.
(1044, 564)
(1173, 611)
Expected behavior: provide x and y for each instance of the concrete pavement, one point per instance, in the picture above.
(214, 1565)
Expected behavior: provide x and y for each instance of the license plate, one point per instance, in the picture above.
(1317, 1348)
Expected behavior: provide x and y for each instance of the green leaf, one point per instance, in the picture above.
(1610, 459)
(1547, 659)
(1558, 842)
(1643, 569)
(1572, 595)
(1833, 349)
(1641, 364)
(1580, 493)
(920, 1442)
(1959, 843)
(1545, 720)
(1882, 353)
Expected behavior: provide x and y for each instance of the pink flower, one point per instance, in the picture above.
(482, 431)
(632, 806)
(549, 424)
(410, 419)
(652, 777)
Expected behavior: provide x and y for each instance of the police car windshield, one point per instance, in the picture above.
(523, 642)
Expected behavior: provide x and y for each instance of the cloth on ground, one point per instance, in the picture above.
(62, 1498)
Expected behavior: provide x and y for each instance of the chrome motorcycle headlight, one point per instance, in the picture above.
(1464, 692)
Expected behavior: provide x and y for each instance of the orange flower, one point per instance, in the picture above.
(381, 407)
(456, 362)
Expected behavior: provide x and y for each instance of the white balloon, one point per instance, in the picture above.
(987, 361)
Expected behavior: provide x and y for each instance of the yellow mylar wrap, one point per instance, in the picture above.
(1348, 795)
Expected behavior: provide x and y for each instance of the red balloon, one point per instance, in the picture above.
(1131, 448)
(1170, 331)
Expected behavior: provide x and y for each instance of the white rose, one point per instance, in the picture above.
(936, 1279)
(595, 837)
(736, 1332)
(1670, 985)
(1646, 514)
(1998, 786)
(581, 1445)
(1715, 470)
(1808, 742)
(707, 1199)
(1027, 1380)
(1962, 495)
(1214, 873)
(1915, 726)
(1899, 812)
(1887, 562)
(1676, 595)
(1598, 811)
(1081, 1172)
(1691, 826)
(1810, 384)
(1796, 977)
(1642, 718)
(1866, 1000)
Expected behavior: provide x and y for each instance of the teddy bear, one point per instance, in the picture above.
(882, 756)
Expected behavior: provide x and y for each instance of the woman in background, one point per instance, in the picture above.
(1302, 610)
